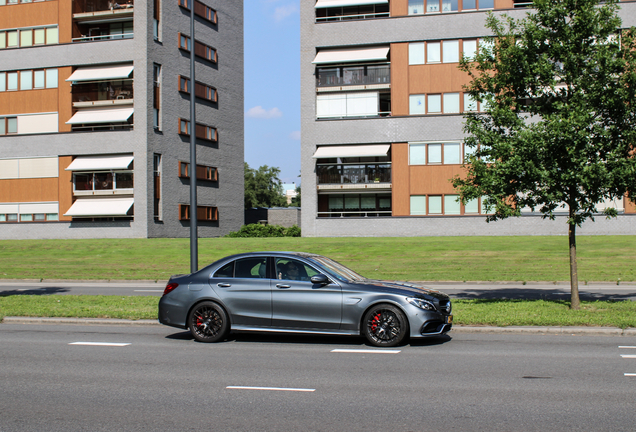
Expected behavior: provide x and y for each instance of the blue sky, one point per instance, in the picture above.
(272, 86)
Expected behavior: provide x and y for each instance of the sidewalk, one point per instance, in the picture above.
(537, 330)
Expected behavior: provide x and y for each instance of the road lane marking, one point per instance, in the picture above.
(364, 351)
(630, 374)
(270, 388)
(627, 347)
(628, 356)
(109, 344)
(148, 290)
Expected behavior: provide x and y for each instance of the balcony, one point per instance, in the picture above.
(105, 93)
(354, 75)
(96, 10)
(354, 176)
(97, 31)
(348, 13)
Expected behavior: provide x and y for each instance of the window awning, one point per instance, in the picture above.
(107, 207)
(96, 116)
(342, 3)
(352, 151)
(96, 163)
(95, 73)
(352, 55)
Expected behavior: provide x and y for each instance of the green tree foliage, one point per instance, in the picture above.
(559, 93)
(296, 200)
(258, 230)
(263, 188)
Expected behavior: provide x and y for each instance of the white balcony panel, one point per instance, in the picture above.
(96, 73)
(352, 55)
(321, 4)
(9, 169)
(97, 116)
(352, 151)
(99, 163)
(38, 168)
(38, 123)
(106, 207)
(9, 208)
(32, 208)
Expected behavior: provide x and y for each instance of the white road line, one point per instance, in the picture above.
(627, 347)
(148, 290)
(630, 374)
(365, 351)
(270, 388)
(109, 344)
(628, 356)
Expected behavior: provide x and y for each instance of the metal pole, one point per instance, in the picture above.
(194, 248)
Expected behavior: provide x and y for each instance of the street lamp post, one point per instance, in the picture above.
(194, 247)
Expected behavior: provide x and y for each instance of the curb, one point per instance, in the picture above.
(537, 330)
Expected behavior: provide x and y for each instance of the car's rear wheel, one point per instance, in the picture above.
(385, 326)
(208, 322)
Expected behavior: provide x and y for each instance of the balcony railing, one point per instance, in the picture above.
(356, 213)
(354, 174)
(87, 6)
(353, 75)
(103, 91)
(353, 17)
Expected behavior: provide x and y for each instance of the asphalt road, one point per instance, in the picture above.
(595, 291)
(53, 379)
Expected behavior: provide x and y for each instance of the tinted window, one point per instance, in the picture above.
(251, 268)
(290, 269)
(227, 271)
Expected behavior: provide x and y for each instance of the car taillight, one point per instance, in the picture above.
(170, 287)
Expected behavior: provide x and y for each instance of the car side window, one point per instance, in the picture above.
(227, 271)
(290, 269)
(251, 268)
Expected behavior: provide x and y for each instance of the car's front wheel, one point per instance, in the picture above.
(385, 326)
(208, 322)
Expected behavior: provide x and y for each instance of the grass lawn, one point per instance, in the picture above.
(528, 258)
(466, 312)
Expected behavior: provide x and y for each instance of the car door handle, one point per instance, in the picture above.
(282, 286)
(224, 285)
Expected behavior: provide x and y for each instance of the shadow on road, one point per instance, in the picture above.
(310, 339)
(537, 294)
(35, 291)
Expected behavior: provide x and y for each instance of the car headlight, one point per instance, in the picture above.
(421, 303)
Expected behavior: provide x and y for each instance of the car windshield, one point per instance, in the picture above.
(337, 270)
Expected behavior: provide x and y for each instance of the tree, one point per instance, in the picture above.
(296, 200)
(558, 127)
(263, 188)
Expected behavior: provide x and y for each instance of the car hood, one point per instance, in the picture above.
(399, 287)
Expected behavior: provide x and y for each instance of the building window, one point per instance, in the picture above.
(449, 153)
(433, 52)
(204, 213)
(204, 172)
(354, 205)
(8, 125)
(184, 42)
(416, 7)
(201, 90)
(157, 186)
(362, 104)
(28, 80)
(416, 53)
(156, 95)
(202, 131)
(418, 205)
(201, 10)
(156, 19)
(417, 104)
(200, 49)
(184, 84)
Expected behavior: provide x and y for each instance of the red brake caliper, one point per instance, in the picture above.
(375, 322)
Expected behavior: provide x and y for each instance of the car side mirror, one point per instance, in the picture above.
(320, 279)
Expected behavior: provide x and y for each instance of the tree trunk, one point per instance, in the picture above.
(574, 276)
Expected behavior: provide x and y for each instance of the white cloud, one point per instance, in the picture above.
(295, 135)
(262, 113)
(282, 12)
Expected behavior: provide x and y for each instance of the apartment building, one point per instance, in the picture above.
(382, 119)
(95, 118)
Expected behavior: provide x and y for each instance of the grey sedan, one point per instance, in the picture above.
(297, 292)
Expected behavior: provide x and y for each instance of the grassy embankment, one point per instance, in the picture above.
(601, 258)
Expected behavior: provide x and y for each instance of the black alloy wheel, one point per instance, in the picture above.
(208, 322)
(385, 326)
